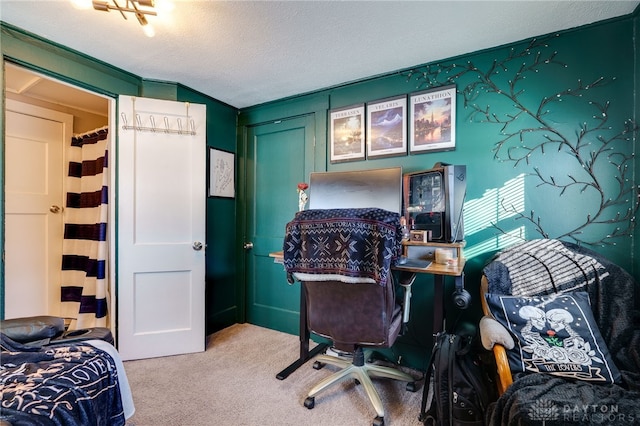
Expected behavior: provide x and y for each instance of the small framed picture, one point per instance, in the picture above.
(432, 123)
(347, 134)
(387, 127)
(221, 173)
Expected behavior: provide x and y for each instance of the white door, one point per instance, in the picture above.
(34, 154)
(161, 227)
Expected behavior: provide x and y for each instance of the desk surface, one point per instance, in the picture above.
(435, 268)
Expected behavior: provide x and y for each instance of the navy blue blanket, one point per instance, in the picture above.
(67, 384)
(360, 243)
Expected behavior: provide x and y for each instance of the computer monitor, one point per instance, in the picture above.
(380, 188)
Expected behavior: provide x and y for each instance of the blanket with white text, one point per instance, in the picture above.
(67, 384)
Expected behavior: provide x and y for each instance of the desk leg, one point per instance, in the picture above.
(438, 304)
(305, 336)
(438, 326)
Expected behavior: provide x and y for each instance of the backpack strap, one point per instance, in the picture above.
(429, 416)
(464, 346)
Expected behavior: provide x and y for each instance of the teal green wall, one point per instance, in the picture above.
(222, 293)
(58, 61)
(546, 129)
(571, 77)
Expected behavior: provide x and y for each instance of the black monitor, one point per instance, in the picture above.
(380, 188)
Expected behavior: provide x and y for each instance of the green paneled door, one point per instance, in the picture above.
(279, 156)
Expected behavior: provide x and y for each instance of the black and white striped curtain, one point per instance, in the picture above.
(85, 290)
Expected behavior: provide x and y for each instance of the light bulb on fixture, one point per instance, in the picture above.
(81, 4)
(164, 6)
(146, 27)
(148, 30)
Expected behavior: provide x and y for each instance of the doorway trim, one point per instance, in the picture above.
(112, 143)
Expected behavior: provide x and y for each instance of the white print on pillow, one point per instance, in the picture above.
(544, 333)
(556, 334)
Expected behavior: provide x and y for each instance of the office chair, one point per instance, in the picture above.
(343, 257)
(356, 317)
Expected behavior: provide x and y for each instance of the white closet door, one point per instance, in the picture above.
(34, 153)
(161, 227)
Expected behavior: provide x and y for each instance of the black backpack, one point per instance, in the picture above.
(458, 387)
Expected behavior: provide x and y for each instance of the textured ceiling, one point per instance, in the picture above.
(249, 52)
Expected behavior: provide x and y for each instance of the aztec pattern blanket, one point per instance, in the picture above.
(356, 243)
(549, 266)
(70, 384)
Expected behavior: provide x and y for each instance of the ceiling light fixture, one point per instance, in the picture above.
(140, 8)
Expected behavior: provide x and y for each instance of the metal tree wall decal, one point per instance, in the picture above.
(598, 149)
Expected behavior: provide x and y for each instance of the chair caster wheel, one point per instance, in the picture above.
(318, 365)
(310, 402)
(378, 421)
(411, 387)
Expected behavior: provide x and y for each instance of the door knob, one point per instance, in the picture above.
(197, 245)
(55, 209)
(248, 246)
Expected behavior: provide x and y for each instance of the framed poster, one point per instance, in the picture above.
(346, 134)
(387, 127)
(432, 123)
(221, 173)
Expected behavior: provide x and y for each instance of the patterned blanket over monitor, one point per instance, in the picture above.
(68, 384)
(359, 243)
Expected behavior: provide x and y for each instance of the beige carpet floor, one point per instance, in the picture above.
(233, 383)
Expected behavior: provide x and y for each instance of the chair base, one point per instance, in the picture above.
(361, 373)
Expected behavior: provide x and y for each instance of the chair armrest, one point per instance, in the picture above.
(406, 280)
(502, 363)
(493, 333)
(499, 352)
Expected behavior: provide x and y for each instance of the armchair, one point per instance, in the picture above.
(342, 258)
(571, 319)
